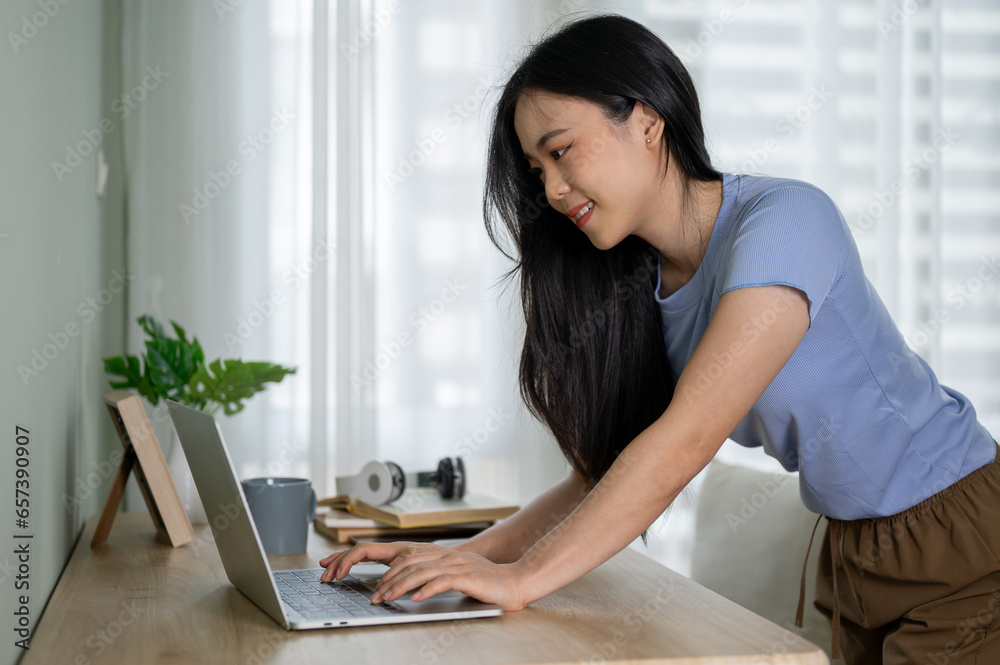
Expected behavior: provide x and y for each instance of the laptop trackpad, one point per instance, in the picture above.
(448, 601)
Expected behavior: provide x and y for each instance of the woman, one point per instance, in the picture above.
(669, 306)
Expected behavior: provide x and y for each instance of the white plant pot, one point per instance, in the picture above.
(184, 482)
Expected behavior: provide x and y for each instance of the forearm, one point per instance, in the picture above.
(508, 540)
(635, 491)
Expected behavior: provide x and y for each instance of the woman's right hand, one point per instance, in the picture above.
(339, 564)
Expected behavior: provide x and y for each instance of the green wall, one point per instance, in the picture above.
(60, 248)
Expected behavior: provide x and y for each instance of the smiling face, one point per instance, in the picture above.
(602, 175)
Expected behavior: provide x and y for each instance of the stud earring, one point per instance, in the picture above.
(649, 140)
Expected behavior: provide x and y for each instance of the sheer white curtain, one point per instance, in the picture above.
(263, 219)
(218, 158)
(426, 352)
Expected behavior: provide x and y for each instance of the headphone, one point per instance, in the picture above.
(384, 482)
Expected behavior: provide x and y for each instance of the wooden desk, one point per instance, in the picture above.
(134, 600)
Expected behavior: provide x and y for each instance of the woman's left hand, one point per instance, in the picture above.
(472, 574)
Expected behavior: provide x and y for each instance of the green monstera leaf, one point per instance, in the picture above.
(174, 368)
(170, 363)
(227, 383)
(130, 370)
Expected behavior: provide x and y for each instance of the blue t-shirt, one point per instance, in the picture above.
(861, 417)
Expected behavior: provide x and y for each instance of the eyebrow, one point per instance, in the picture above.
(545, 138)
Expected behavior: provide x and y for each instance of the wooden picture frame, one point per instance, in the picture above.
(143, 456)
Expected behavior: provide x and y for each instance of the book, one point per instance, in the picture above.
(425, 507)
(345, 527)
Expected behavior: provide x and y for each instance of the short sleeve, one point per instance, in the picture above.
(793, 235)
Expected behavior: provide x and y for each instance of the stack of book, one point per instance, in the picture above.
(419, 514)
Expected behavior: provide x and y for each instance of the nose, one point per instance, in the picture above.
(556, 186)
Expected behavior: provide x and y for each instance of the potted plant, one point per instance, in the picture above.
(174, 368)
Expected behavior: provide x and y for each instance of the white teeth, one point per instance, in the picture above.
(583, 211)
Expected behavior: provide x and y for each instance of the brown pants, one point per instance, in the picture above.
(920, 587)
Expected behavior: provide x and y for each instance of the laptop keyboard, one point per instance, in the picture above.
(348, 598)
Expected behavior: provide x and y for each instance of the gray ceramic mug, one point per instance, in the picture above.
(282, 509)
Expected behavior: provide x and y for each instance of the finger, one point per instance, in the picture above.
(331, 567)
(404, 560)
(325, 561)
(331, 562)
(380, 552)
(339, 569)
(362, 552)
(413, 578)
(436, 582)
(440, 584)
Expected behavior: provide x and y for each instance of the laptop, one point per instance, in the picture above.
(296, 599)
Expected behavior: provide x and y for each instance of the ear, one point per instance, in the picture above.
(647, 123)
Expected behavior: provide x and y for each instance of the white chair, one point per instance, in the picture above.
(751, 534)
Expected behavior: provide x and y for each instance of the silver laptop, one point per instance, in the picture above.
(296, 599)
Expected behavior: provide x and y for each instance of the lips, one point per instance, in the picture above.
(577, 213)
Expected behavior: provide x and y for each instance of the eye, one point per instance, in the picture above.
(557, 153)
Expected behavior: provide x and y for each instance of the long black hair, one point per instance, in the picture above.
(593, 367)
